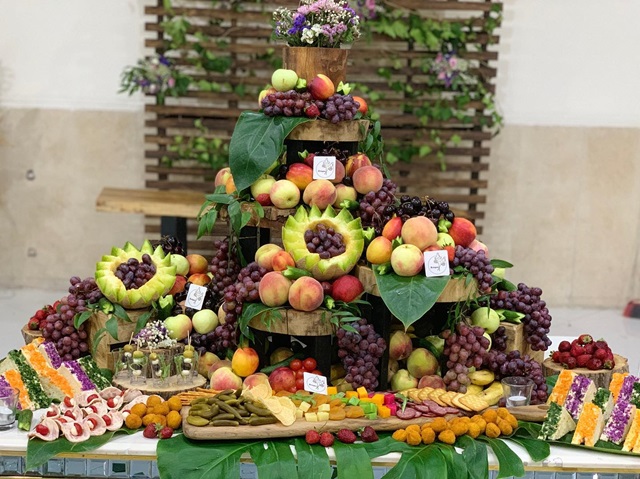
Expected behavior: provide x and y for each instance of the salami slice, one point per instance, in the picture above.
(452, 410)
(408, 413)
(435, 407)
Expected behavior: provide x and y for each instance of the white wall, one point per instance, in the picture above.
(68, 54)
(570, 62)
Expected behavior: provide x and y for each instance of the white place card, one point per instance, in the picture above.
(436, 263)
(195, 296)
(324, 167)
(314, 383)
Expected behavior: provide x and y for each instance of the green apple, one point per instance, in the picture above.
(499, 272)
(486, 318)
(181, 263)
(179, 326)
(284, 80)
(204, 321)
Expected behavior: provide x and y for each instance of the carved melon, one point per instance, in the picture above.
(342, 222)
(114, 288)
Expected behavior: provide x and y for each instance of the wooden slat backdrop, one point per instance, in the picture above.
(247, 31)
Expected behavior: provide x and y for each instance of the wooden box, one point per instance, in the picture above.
(102, 353)
(515, 341)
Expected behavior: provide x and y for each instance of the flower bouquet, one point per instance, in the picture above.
(155, 75)
(317, 23)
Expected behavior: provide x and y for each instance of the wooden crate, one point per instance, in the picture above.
(106, 344)
(515, 341)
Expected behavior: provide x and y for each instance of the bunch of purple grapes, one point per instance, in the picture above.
(324, 241)
(412, 206)
(244, 290)
(374, 207)
(513, 364)
(537, 320)
(360, 354)
(224, 267)
(71, 343)
(463, 348)
(288, 103)
(134, 273)
(476, 263)
(499, 339)
(339, 108)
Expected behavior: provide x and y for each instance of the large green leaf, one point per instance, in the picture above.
(456, 464)
(385, 445)
(420, 462)
(537, 449)
(256, 143)
(181, 458)
(475, 453)
(409, 298)
(274, 460)
(352, 461)
(509, 464)
(313, 461)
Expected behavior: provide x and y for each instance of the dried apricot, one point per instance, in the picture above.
(174, 420)
(353, 412)
(133, 421)
(321, 399)
(139, 410)
(337, 414)
(336, 403)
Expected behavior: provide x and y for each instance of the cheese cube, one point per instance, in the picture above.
(311, 416)
(304, 406)
(323, 416)
(324, 407)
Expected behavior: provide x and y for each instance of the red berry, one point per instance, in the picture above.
(585, 339)
(295, 365)
(309, 364)
(312, 437)
(150, 431)
(577, 350)
(581, 361)
(594, 364)
(571, 362)
(590, 348)
(33, 324)
(608, 364)
(564, 357)
(165, 433)
(326, 439)
(555, 356)
(601, 344)
(312, 111)
(368, 434)
(299, 383)
(564, 346)
(346, 435)
(600, 354)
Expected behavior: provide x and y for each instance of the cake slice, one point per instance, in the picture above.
(590, 425)
(617, 426)
(54, 384)
(74, 370)
(633, 434)
(48, 349)
(30, 379)
(561, 389)
(616, 383)
(627, 388)
(13, 378)
(92, 370)
(557, 423)
(604, 400)
(581, 392)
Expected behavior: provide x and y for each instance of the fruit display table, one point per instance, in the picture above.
(133, 453)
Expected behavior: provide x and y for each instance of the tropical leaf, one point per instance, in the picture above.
(509, 464)
(385, 445)
(409, 298)
(456, 465)
(256, 143)
(419, 463)
(475, 453)
(274, 460)
(352, 461)
(182, 458)
(313, 462)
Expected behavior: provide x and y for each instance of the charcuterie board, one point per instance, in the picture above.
(298, 428)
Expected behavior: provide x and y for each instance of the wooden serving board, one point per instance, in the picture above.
(171, 388)
(299, 428)
(601, 377)
(536, 413)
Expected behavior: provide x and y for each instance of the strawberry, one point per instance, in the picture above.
(600, 354)
(571, 362)
(555, 356)
(585, 339)
(326, 439)
(312, 111)
(312, 437)
(590, 348)
(346, 435)
(165, 433)
(601, 344)
(594, 364)
(564, 346)
(33, 324)
(564, 357)
(368, 434)
(577, 350)
(581, 361)
(150, 432)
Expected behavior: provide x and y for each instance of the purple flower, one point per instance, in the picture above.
(164, 60)
(298, 24)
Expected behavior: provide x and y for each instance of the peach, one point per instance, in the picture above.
(356, 161)
(262, 186)
(178, 326)
(245, 361)
(476, 245)
(462, 231)
(284, 194)
(222, 176)
(402, 380)
(431, 381)
(407, 260)
(419, 231)
(379, 250)
(178, 285)
(366, 179)
(344, 192)
(264, 255)
(300, 174)
(254, 380)
(205, 361)
(306, 294)
(201, 279)
(264, 199)
(223, 363)
(340, 173)
(274, 289)
(321, 87)
(224, 378)
(230, 186)
(400, 346)
(283, 379)
(320, 193)
(393, 228)
(363, 108)
(197, 263)
(281, 260)
(346, 288)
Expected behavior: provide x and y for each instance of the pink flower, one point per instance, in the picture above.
(453, 62)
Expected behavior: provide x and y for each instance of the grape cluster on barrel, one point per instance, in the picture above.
(476, 263)
(536, 321)
(171, 245)
(224, 267)
(412, 206)
(288, 103)
(360, 354)
(513, 364)
(499, 339)
(244, 290)
(464, 348)
(134, 273)
(324, 241)
(339, 108)
(377, 208)
(71, 343)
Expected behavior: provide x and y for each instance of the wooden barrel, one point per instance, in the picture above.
(308, 62)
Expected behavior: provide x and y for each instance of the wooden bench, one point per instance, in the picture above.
(172, 206)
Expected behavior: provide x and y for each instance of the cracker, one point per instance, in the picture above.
(447, 398)
(474, 402)
(456, 402)
(424, 393)
(435, 396)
